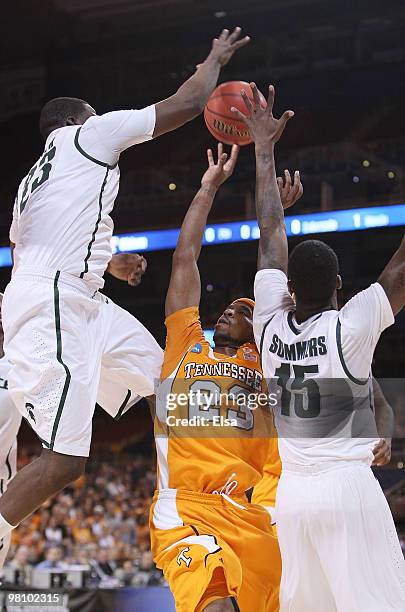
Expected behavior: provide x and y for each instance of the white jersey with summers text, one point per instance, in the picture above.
(61, 217)
(320, 371)
(10, 421)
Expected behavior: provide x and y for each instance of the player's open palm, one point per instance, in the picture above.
(225, 46)
(290, 189)
(220, 171)
(262, 124)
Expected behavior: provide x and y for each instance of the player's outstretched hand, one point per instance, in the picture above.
(225, 46)
(290, 190)
(382, 452)
(129, 267)
(263, 126)
(220, 171)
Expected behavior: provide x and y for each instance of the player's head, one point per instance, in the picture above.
(313, 273)
(61, 112)
(235, 326)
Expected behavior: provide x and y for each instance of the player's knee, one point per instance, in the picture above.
(61, 470)
(220, 605)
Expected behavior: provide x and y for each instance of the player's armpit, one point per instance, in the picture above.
(12, 247)
(271, 295)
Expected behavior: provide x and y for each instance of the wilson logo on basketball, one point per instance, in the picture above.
(230, 130)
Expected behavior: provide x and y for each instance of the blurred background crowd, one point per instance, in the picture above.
(100, 522)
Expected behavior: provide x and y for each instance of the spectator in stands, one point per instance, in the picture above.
(147, 574)
(126, 573)
(53, 559)
(103, 566)
(21, 562)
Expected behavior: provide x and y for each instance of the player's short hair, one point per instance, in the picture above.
(56, 111)
(312, 270)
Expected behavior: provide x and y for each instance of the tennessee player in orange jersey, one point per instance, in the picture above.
(213, 436)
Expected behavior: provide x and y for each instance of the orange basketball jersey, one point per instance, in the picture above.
(214, 431)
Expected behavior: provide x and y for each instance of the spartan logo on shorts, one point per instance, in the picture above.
(182, 557)
(30, 409)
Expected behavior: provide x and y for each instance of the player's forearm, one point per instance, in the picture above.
(392, 279)
(195, 221)
(194, 93)
(270, 214)
(384, 414)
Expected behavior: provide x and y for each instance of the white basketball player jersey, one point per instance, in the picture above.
(10, 421)
(319, 371)
(61, 217)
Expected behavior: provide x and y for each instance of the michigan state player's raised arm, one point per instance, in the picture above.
(392, 279)
(271, 290)
(192, 96)
(104, 137)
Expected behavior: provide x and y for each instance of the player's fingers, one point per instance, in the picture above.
(144, 265)
(288, 181)
(295, 185)
(300, 186)
(235, 34)
(270, 98)
(285, 117)
(240, 115)
(220, 150)
(224, 34)
(132, 279)
(377, 447)
(247, 101)
(382, 457)
(280, 183)
(222, 160)
(256, 96)
(241, 43)
(234, 153)
(210, 157)
(230, 165)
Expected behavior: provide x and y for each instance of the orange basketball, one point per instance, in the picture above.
(219, 118)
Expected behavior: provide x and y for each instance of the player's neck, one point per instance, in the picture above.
(304, 312)
(230, 351)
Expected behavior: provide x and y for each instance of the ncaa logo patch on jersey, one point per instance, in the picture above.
(197, 348)
(249, 354)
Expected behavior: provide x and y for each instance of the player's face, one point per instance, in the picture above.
(235, 325)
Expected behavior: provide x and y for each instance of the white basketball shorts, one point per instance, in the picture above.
(339, 547)
(69, 347)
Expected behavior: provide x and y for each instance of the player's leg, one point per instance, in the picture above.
(304, 586)
(4, 548)
(358, 543)
(36, 482)
(53, 382)
(131, 363)
(260, 558)
(198, 564)
(222, 605)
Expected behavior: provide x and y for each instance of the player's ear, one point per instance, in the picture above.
(72, 121)
(339, 283)
(291, 290)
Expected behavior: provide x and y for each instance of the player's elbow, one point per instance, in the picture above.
(183, 256)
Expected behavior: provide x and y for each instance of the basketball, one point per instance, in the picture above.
(219, 118)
